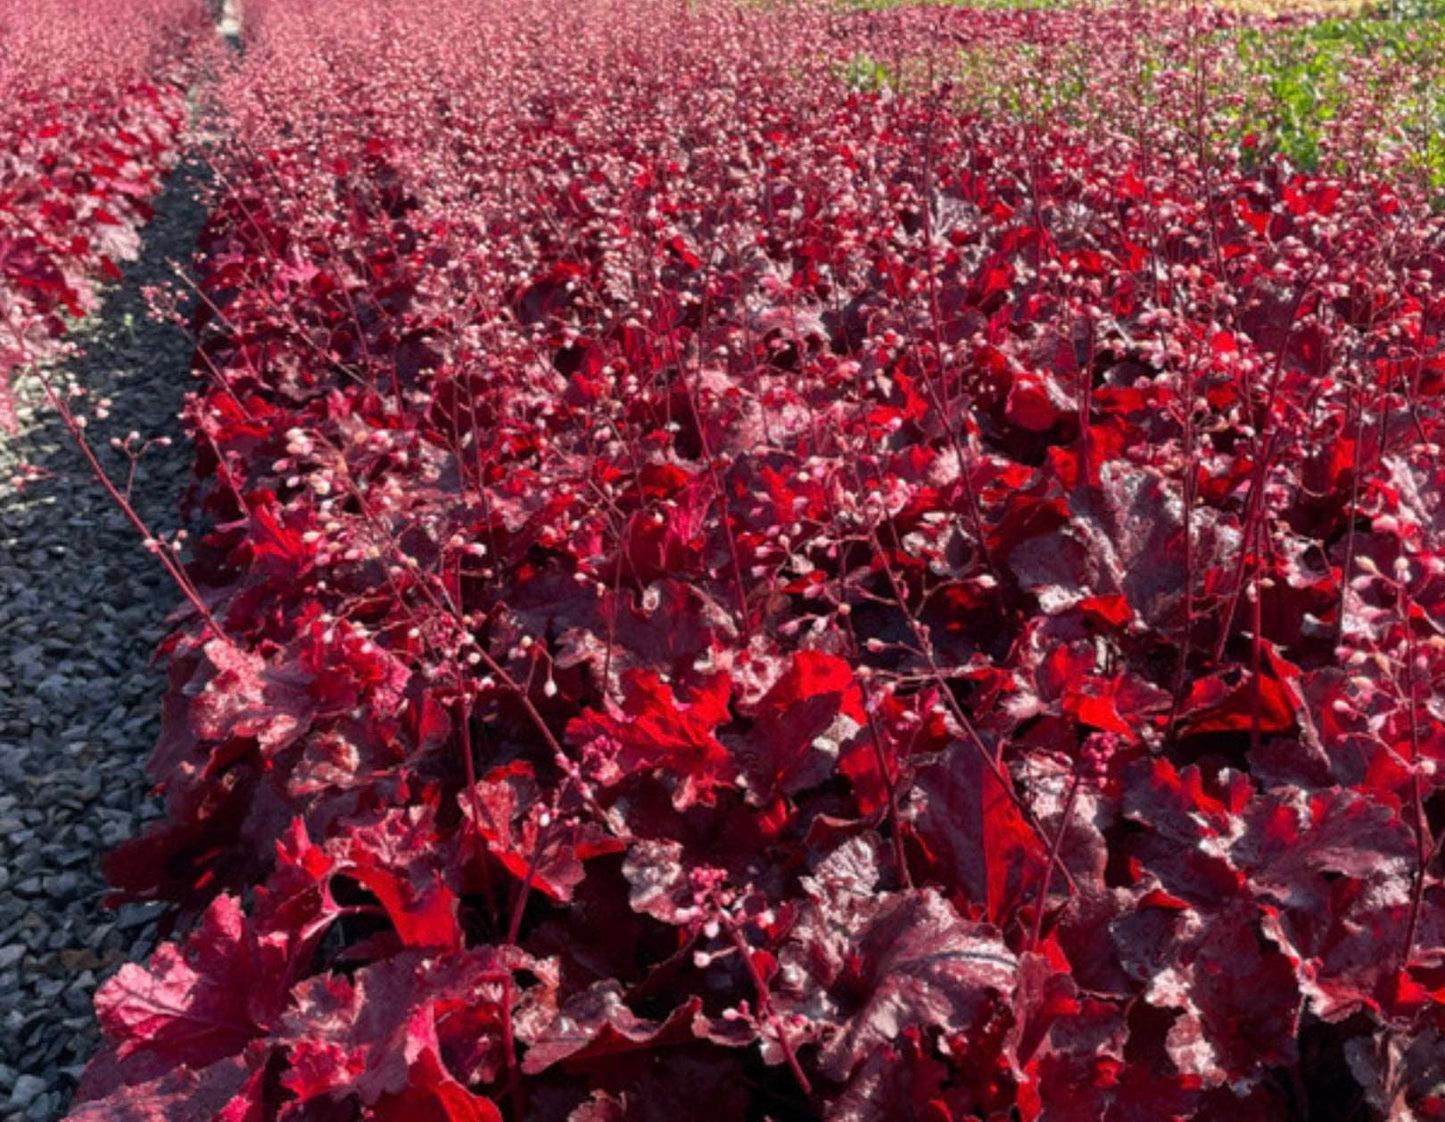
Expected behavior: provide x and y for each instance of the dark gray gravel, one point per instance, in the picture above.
(82, 606)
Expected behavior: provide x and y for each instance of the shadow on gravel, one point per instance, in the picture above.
(82, 606)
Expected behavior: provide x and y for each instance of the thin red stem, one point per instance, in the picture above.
(1036, 933)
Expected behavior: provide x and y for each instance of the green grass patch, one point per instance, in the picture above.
(1287, 87)
(1307, 77)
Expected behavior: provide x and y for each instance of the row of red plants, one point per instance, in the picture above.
(735, 597)
(92, 116)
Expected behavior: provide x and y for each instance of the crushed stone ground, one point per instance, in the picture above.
(82, 606)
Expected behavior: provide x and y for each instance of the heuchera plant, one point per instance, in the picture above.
(91, 119)
(735, 596)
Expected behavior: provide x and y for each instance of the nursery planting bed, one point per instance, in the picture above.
(770, 563)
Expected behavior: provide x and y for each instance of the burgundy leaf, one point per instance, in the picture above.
(869, 966)
(548, 857)
(799, 726)
(228, 1090)
(379, 1036)
(655, 728)
(974, 837)
(201, 1003)
(247, 696)
(390, 858)
(596, 1024)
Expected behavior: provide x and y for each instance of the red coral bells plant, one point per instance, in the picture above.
(752, 597)
(92, 115)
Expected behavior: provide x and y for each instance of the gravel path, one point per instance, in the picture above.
(82, 607)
